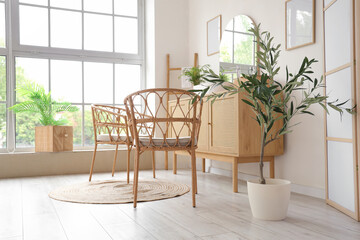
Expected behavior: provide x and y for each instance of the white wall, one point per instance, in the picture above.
(167, 33)
(303, 162)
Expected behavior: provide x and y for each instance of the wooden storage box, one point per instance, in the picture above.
(53, 138)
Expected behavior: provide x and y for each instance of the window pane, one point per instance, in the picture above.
(66, 81)
(243, 52)
(2, 25)
(75, 120)
(125, 7)
(98, 32)
(226, 47)
(34, 26)
(25, 129)
(88, 128)
(2, 78)
(126, 35)
(31, 70)
(98, 82)
(36, 2)
(28, 71)
(2, 125)
(66, 29)
(71, 4)
(242, 23)
(230, 25)
(103, 6)
(127, 80)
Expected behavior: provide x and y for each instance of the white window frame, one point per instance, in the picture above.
(13, 50)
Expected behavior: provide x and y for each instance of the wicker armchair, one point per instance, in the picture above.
(111, 127)
(149, 127)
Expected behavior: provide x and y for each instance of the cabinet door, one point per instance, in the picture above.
(224, 127)
(203, 141)
(178, 110)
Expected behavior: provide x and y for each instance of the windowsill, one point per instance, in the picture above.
(19, 152)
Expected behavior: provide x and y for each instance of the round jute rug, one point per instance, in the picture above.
(112, 192)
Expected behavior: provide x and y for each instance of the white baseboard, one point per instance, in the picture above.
(296, 188)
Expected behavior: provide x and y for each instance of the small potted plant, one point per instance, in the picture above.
(194, 75)
(272, 101)
(51, 136)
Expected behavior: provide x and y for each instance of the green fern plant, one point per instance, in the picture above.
(39, 102)
(195, 75)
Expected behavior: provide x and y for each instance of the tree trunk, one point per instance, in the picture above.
(262, 179)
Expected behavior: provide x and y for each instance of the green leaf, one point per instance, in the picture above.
(248, 103)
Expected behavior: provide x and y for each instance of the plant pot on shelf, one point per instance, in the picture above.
(269, 201)
(53, 138)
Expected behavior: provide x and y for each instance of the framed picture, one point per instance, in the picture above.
(213, 32)
(299, 23)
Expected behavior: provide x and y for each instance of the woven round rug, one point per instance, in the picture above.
(112, 192)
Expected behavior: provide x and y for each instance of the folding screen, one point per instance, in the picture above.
(341, 133)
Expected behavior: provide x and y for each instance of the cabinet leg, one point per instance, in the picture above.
(235, 175)
(203, 164)
(166, 160)
(272, 168)
(174, 162)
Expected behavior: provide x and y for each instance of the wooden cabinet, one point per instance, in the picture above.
(223, 125)
(203, 141)
(228, 133)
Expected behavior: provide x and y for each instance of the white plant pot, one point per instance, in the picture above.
(269, 201)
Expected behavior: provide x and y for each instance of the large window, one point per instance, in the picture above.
(82, 51)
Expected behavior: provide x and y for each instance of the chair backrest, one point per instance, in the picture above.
(110, 120)
(150, 108)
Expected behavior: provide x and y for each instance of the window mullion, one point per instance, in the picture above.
(113, 26)
(82, 24)
(49, 28)
(83, 106)
(10, 70)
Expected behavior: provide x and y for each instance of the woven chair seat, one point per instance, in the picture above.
(165, 142)
(115, 138)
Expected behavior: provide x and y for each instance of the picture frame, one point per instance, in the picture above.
(213, 35)
(299, 23)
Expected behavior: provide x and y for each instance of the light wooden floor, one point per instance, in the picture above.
(26, 212)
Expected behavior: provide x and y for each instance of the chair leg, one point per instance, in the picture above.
(136, 177)
(174, 162)
(196, 190)
(193, 176)
(92, 163)
(166, 160)
(114, 163)
(128, 165)
(153, 163)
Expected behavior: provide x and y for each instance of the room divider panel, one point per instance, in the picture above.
(340, 67)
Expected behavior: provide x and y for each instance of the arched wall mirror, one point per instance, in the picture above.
(237, 47)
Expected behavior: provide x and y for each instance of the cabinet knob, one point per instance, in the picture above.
(209, 123)
(66, 135)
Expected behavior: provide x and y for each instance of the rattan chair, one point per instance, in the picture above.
(111, 127)
(149, 125)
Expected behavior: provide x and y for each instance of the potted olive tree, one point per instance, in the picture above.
(51, 136)
(272, 101)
